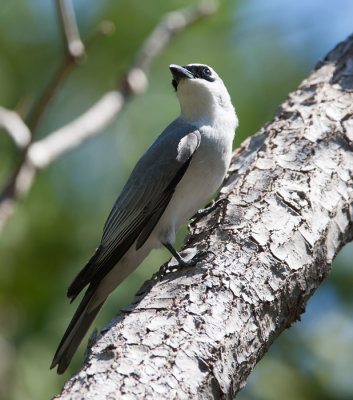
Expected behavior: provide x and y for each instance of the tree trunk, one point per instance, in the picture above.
(197, 333)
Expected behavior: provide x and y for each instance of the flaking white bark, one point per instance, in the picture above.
(197, 333)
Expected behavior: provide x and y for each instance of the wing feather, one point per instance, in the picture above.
(142, 201)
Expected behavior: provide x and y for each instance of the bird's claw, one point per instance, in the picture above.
(201, 213)
(199, 256)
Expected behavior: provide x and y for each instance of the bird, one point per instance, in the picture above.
(174, 178)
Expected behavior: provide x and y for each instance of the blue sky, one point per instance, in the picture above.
(313, 26)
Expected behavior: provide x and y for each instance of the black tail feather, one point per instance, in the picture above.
(84, 276)
(75, 332)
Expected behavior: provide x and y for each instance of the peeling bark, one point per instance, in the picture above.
(198, 332)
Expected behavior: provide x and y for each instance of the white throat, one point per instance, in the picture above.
(199, 104)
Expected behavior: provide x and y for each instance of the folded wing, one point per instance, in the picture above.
(141, 203)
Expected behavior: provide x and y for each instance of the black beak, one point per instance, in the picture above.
(178, 73)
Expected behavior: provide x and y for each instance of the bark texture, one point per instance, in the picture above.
(197, 333)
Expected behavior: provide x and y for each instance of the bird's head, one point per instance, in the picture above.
(201, 92)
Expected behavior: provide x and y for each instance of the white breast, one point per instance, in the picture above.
(203, 177)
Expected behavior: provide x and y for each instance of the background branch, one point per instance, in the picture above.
(66, 13)
(74, 52)
(15, 127)
(170, 25)
(40, 153)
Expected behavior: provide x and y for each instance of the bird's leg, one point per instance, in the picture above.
(187, 263)
(201, 213)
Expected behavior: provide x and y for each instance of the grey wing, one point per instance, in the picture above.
(140, 205)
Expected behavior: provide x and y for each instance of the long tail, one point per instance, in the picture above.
(77, 329)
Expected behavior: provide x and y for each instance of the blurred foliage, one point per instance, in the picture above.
(262, 52)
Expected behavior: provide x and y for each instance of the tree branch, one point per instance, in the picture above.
(41, 153)
(94, 120)
(75, 46)
(15, 127)
(198, 332)
(170, 25)
(74, 52)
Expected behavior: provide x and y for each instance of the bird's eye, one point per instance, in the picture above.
(207, 71)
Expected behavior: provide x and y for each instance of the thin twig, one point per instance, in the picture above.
(169, 25)
(66, 13)
(43, 152)
(49, 93)
(75, 50)
(15, 127)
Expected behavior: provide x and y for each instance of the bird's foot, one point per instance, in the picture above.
(199, 256)
(201, 213)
